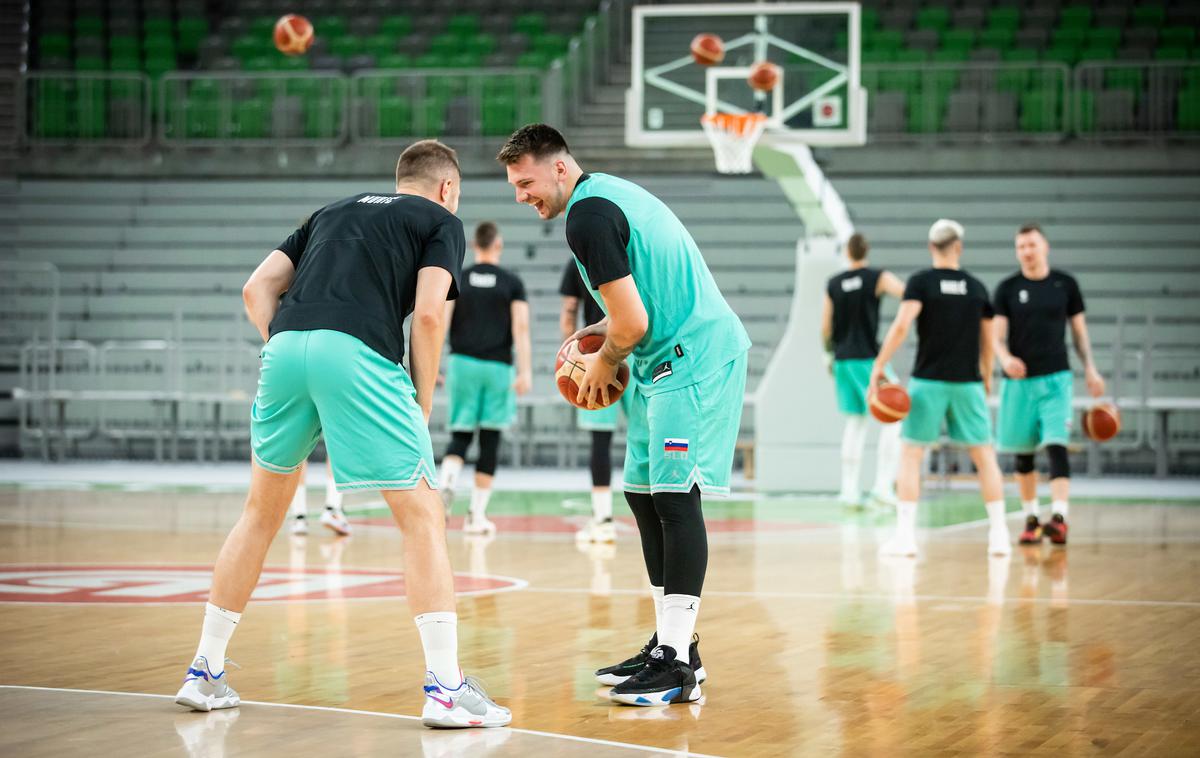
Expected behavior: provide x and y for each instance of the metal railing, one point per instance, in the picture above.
(1132, 100)
(95, 108)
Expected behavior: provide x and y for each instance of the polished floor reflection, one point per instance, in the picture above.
(813, 645)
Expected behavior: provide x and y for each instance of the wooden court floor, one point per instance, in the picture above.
(813, 645)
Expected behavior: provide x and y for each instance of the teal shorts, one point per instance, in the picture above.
(604, 419)
(1034, 412)
(326, 381)
(961, 405)
(481, 393)
(851, 378)
(685, 437)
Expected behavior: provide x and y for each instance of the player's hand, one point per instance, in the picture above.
(828, 358)
(597, 376)
(877, 379)
(600, 327)
(1095, 382)
(524, 383)
(1014, 367)
(987, 386)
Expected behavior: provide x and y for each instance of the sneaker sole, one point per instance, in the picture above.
(661, 698)
(615, 679)
(467, 721)
(338, 530)
(208, 704)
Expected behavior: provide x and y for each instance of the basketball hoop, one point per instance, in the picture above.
(733, 137)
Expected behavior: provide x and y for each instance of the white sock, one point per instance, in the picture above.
(887, 458)
(1061, 507)
(995, 513)
(439, 640)
(853, 436)
(299, 506)
(333, 498)
(451, 467)
(219, 626)
(601, 505)
(906, 519)
(479, 502)
(657, 594)
(1030, 507)
(678, 622)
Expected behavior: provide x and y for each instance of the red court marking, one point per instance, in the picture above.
(133, 584)
(571, 524)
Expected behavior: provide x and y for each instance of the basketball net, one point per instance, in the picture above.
(733, 137)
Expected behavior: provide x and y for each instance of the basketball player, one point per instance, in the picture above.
(333, 517)
(1033, 308)
(490, 318)
(348, 277)
(600, 423)
(950, 382)
(849, 327)
(688, 353)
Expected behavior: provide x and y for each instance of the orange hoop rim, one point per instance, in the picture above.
(737, 124)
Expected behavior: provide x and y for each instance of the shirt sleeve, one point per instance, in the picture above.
(445, 248)
(569, 286)
(293, 247)
(1000, 301)
(1074, 297)
(914, 288)
(987, 312)
(518, 289)
(598, 233)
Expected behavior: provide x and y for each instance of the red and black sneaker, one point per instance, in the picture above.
(1056, 529)
(1033, 531)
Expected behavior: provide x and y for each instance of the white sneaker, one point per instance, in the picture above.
(335, 520)
(884, 497)
(466, 706)
(597, 531)
(999, 541)
(846, 497)
(202, 691)
(299, 525)
(899, 545)
(478, 525)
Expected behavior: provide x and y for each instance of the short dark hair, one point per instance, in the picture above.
(857, 247)
(1032, 226)
(485, 234)
(427, 162)
(538, 140)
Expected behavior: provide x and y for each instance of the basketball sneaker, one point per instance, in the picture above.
(1033, 531)
(202, 691)
(299, 525)
(334, 519)
(904, 545)
(885, 498)
(478, 525)
(630, 666)
(999, 542)
(1056, 529)
(466, 706)
(661, 681)
(597, 531)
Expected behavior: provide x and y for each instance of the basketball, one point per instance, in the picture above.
(764, 76)
(1101, 422)
(293, 34)
(568, 371)
(708, 49)
(890, 403)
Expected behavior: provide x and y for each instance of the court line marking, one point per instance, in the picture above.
(401, 716)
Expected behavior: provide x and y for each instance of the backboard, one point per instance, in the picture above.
(818, 101)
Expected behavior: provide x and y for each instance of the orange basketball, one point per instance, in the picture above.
(764, 76)
(293, 34)
(890, 403)
(568, 371)
(708, 49)
(1101, 422)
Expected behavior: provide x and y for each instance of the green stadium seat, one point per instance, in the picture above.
(394, 60)
(499, 114)
(1067, 54)
(191, 33)
(1149, 15)
(534, 59)
(57, 45)
(51, 109)
(922, 119)
(1039, 111)
(396, 26)
(998, 37)
(1124, 78)
(1019, 55)
(465, 59)
(532, 24)
(1063, 35)
(480, 45)
(885, 39)
(551, 43)
(869, 20)
(156, 26)
(249, 119)
(89, 26)
(1188, 104)
(395, 117)
(346, 45)
(262, 28)
(1097, 54)
(951, 55)
(158, 46)
(290, 62)
(1163, 53)
(878, 55)
(124, 46)
(245, 47)
(1004, 17)
(955, 38)
(379, 45)
(159, 65)
(933, 17)
(1083, 114)
(125, 63)
(89, 63)
(322, 117)
(1075, 17)
(329, 27)
(431, 60)
(1103, 36)
(463, 24)
(1177, 36)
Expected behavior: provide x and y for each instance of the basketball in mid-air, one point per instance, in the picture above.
(708, 49)
(764, 76)
(890, 403)
(1101, 422)
(293, 34)
(569, 370)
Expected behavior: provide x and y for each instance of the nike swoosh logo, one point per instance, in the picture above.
(447, 703)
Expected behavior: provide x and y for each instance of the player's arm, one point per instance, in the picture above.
(263, 289)
(428, 331)
(1011, 364)
(889, 284)
(987, 352)
(568, 316)
(520, 334)
(627, 324)
(1083, 348)
(827, 331)
(897, 332)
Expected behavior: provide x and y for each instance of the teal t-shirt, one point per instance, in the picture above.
(615, 229)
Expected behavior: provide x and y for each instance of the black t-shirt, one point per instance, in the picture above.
(953, 303)
(855, 313)
(572, 285)
(1037, 313)
(598, 235)
(356, 267)
(482, 323)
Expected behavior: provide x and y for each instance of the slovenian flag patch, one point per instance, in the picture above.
(675, 445)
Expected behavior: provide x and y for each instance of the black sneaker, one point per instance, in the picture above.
(661, 681)
(630, 666)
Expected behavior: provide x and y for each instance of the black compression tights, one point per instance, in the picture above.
(601, 460)
(674, 540)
